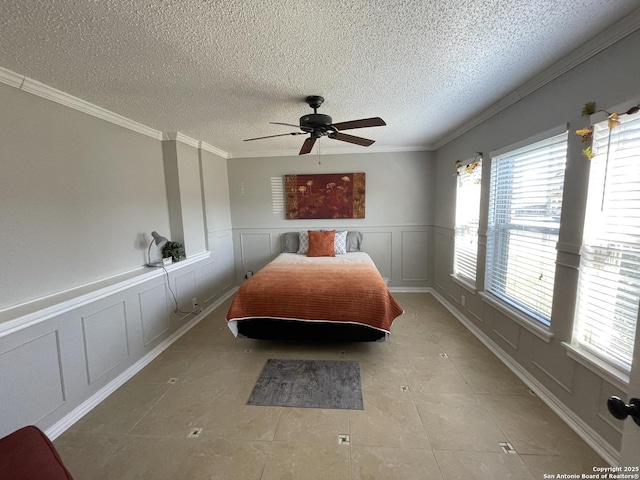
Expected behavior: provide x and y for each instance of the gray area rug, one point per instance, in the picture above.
(310, 384)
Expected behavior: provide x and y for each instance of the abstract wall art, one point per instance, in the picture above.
(327, 195)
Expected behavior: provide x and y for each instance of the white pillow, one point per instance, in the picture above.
(340, 243)
(304, 242)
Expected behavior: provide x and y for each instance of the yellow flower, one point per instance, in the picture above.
(614, 121)
(471, 167)
(585, 133)
(588, 153)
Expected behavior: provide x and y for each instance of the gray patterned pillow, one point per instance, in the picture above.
(341, 242)
(303, 236)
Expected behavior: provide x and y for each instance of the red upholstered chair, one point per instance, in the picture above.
(27, 454)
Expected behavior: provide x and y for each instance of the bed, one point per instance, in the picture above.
(299, 296)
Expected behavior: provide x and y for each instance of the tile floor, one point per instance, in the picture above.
(427, 416)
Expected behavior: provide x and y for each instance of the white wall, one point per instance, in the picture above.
(609, 78)
(217, 213)
(185, 193)
(399, 187)
(79, 310)
(398, 217)
(79, 197)
(216, 192)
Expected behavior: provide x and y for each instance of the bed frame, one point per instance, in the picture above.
(321, 299)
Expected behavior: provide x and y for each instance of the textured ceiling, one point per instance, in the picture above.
(219, 71)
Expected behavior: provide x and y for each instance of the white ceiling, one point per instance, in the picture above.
(219, 70)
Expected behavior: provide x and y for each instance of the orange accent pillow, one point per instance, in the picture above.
(322, 244)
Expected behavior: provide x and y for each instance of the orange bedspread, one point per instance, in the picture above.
(346, 288)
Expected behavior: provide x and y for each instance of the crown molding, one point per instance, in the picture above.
(597, 44)
(11, 78)
(333, 151)
(29, 85)
(617, 32)
(34, 87)
(214, 150)
(182, 138)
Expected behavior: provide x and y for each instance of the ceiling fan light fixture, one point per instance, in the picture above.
(318, 125)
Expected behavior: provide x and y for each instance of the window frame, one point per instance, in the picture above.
(463, 179)
(599, 359)
(518, 311)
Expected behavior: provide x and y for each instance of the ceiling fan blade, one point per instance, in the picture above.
(365, 142)
(271, 136)
(287, 124)
(307, 145)
(362, 123)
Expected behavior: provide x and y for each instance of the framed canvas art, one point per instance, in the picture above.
(325, 195)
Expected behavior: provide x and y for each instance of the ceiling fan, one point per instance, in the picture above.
(318, 125)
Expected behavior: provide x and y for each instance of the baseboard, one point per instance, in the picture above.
(409, 289)
(85, 407)
(582, 429)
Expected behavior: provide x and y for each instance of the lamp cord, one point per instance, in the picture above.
(175, 300)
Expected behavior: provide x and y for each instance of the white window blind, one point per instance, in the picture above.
(467, 220)
(609, 285)
(525, 201)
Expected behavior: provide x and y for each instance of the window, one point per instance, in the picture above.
(525, 201)
(609, 285)
(467, 219)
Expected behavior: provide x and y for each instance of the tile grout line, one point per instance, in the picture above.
(144, 415)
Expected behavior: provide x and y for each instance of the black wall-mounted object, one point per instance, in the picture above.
(620, 410)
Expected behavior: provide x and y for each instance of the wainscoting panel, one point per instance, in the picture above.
(444, 258)
(506, 331)
(154, 314)
(378, 245)
(35, 389)
(185, 291)
(255, 251)
(218, 275)
(400, 252)
(414, 256)
(552, 362)
(105, 340)
(62, 357)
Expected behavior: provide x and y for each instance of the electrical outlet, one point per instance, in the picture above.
(462, 300)
(248, 275)
(194, 304)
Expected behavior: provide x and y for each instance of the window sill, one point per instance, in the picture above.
(608, 373)
(521, 319)
(464, 284)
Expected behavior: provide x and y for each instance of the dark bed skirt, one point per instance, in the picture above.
(291, 330)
